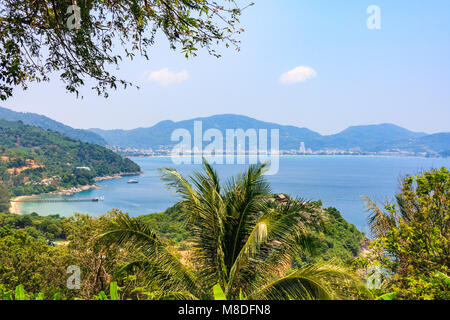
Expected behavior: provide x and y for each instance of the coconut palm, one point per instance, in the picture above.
(242, 240)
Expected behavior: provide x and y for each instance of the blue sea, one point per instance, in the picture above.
(339, 181)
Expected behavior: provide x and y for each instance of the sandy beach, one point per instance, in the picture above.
(15, 202)
(14, 208)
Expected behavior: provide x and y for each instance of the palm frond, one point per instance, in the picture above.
(205, 216)
(278, 255)
(406, 208)
(280, 234)
(175, 180)
(315, 282)
(171, 295)
(166, 268)
(379, 222)
(244, 195)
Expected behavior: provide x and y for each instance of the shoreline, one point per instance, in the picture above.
(118, 176)
(289, 155)
(14, 202)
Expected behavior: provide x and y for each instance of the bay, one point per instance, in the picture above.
(339, 181)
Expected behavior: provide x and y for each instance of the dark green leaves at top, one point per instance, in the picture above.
(37, 39)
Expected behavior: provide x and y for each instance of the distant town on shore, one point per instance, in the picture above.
(364, 140)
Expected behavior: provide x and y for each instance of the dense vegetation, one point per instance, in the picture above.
(39, 227)
(153, 273)
(44, 122)
(22, 235)
(165, 255)
(34, 160)
(412, 245)
(242, 241)
(4, 198)
(169, 224)
(337, 239)
(32, 262)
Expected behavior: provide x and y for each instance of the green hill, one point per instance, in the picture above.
(34, 160)
(44, 122)
(370, 137)
(339, 238)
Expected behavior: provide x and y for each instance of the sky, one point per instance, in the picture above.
(308, 63)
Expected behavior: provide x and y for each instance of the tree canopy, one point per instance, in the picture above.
(412, 237)
(77, 38)
(34, 160)
(4, 198)
(243, 243)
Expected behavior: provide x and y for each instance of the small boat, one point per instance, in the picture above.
(133, 181)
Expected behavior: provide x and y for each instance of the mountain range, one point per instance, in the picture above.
(368, 138)
(360, 139)
(44, 122)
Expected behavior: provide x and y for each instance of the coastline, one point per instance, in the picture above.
(292, 155)
(15, 202)
(118, 176)
(14, 205)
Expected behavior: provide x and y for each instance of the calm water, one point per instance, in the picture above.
(338, 181)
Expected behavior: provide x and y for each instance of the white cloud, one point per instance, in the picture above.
(299, 74)
(165, 77)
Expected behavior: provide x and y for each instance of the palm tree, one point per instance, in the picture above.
(242, 241)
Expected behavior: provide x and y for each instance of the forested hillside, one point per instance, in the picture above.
(34, 160)
(44, 122)
(338, 239)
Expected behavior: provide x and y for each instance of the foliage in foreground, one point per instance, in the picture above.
(24, 235)
(28, 258)
(411, 247)
(31, 262)
(40, 37)
(19, 293)
(239, 242)
(412, 237)
(338, 239)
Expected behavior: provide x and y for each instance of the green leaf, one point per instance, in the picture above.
(218, 293)
(40, 296)
(388, 296)
(102, 296)
(445, 278)
(113, 291)
(20, 293)
(7, 296)
(57, 296)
